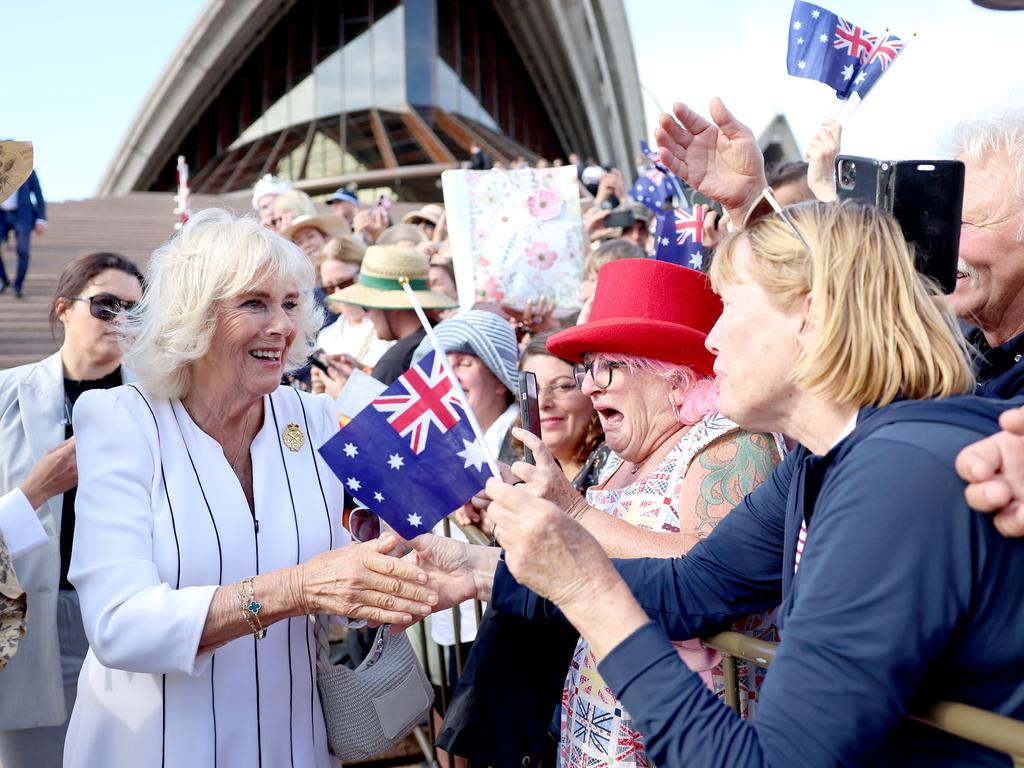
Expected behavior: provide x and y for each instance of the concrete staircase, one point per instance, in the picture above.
(133, 225)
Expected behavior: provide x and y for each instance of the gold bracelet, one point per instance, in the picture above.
(250, 607)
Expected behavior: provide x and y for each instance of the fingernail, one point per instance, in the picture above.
(422, 578)
(406, 618)
(432, 599)
(424, 609)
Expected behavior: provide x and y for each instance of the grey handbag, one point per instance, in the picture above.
(371, 708)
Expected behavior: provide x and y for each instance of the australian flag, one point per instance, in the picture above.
(843, 56)
(679, 237)
(410, 456)
(653, 189)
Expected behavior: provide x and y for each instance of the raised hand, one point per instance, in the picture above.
(721, 160)
(821, 159)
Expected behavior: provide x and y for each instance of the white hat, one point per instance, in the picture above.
(269, 185)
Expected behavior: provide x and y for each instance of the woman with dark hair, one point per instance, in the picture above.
(570, 427)
(38, 479)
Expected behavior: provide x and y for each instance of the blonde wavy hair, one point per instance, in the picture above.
(881, 333)
(214, 257)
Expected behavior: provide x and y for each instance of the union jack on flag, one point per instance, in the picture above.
(679, 237)
(426, 399)
(837, 52)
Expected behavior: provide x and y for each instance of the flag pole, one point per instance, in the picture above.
(443, 359)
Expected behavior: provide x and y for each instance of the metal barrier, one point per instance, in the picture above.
(988, 729)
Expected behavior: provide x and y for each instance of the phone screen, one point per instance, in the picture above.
(529, 411)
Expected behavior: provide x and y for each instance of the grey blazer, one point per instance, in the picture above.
(32, 422)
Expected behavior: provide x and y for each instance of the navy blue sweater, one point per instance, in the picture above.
(904, 596)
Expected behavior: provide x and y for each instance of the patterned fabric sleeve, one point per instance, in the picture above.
(13, 607)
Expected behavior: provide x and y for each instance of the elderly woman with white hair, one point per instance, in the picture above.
(208, 527)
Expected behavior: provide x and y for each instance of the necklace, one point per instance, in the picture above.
(241, 441)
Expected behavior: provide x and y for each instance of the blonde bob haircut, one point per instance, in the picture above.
(214, 257)
(881, 334)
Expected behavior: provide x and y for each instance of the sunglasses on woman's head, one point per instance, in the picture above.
(105, 306)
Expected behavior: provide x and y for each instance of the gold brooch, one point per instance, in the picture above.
(293, 437)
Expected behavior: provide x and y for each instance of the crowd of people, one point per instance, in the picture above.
(804, 442)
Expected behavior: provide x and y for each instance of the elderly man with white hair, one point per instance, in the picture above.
(990, 283)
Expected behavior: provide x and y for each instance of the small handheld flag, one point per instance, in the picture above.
(679, 237)
(836, 52)
(411, 456)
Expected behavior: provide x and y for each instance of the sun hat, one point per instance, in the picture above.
(15, 166)
(431, 212)
(346, 248)
(396, 233)
(646, 308)
(342, 195)
(269, 185)
(484, 334)
(328, 225)
(378, 286)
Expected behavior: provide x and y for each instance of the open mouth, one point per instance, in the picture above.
(610, 418)
(266, 355)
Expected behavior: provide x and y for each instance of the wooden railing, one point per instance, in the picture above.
(988, 729)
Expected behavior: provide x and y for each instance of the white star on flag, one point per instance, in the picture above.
(802, 64)
(473, 453)
(859, 78)
(664, 241)
(650, 188)
(799, 41)
(351, 450)
(378, 497)
(353, 484)
(395, 461)
(697, 260)
(847, 71)
(823, 37)
(415, 520)
(797, 25)
(815, 13)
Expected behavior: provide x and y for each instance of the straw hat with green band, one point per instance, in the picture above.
(379, 285)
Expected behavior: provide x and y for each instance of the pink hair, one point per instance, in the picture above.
(700, 393)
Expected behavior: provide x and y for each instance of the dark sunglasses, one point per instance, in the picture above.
(105, 306)
(330, 288)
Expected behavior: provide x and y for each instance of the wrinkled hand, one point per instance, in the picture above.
(361, 581)
(55, 472)
(467, 514)
(821, 160)
(545, 550)
(481, 501)
(544, 479)
(720, 160)
(994, 471)
(458, 571)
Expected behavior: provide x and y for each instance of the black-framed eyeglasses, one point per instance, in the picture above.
(600, 372)
(105, 306)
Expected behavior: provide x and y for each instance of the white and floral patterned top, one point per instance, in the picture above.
(596, 730)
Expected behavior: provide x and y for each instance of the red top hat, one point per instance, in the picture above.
(650, 309)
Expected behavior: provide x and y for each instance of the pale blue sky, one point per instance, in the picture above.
(77, 72)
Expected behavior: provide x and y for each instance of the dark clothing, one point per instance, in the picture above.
(31, 207)
(72, 390)
(397, 360)
(999, 370)
(904, 596)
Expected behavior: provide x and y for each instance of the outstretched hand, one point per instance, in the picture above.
(721, 160)
(994, 471)
(457, 571)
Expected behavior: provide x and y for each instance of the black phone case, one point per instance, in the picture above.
(529, 411)
(924, 196)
